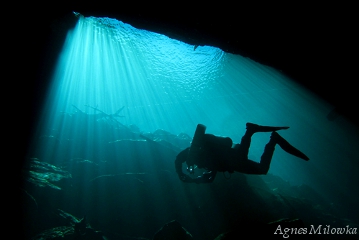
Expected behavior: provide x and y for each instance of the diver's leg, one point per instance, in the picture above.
(267, 155)
(251, 167)
(243, 147)
(247, 166)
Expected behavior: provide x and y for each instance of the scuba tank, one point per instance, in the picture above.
(197, 143)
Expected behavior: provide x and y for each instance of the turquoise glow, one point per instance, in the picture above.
(166, 84)
(109, 64)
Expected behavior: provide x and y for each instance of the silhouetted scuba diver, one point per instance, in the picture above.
(215, 154)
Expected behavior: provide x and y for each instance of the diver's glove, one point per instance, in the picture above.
(187, 179)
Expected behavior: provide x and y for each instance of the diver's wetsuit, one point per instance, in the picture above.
(217, 155)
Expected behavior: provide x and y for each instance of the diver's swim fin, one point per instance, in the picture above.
(287, 147)
(258, 128)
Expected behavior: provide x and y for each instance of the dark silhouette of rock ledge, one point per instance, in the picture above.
(173, 230)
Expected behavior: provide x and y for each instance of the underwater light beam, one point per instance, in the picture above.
(111, 76)
(165, 84)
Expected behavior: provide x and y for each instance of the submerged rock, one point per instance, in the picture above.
(43, 174)
(68, 232)
(75, 229)
(174, 231)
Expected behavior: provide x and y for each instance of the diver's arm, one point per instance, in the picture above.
(179, 160)
(207, 177)
(178, 165)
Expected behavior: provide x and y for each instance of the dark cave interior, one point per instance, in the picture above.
(312, 45)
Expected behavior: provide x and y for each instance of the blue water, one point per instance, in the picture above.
(164, 84)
